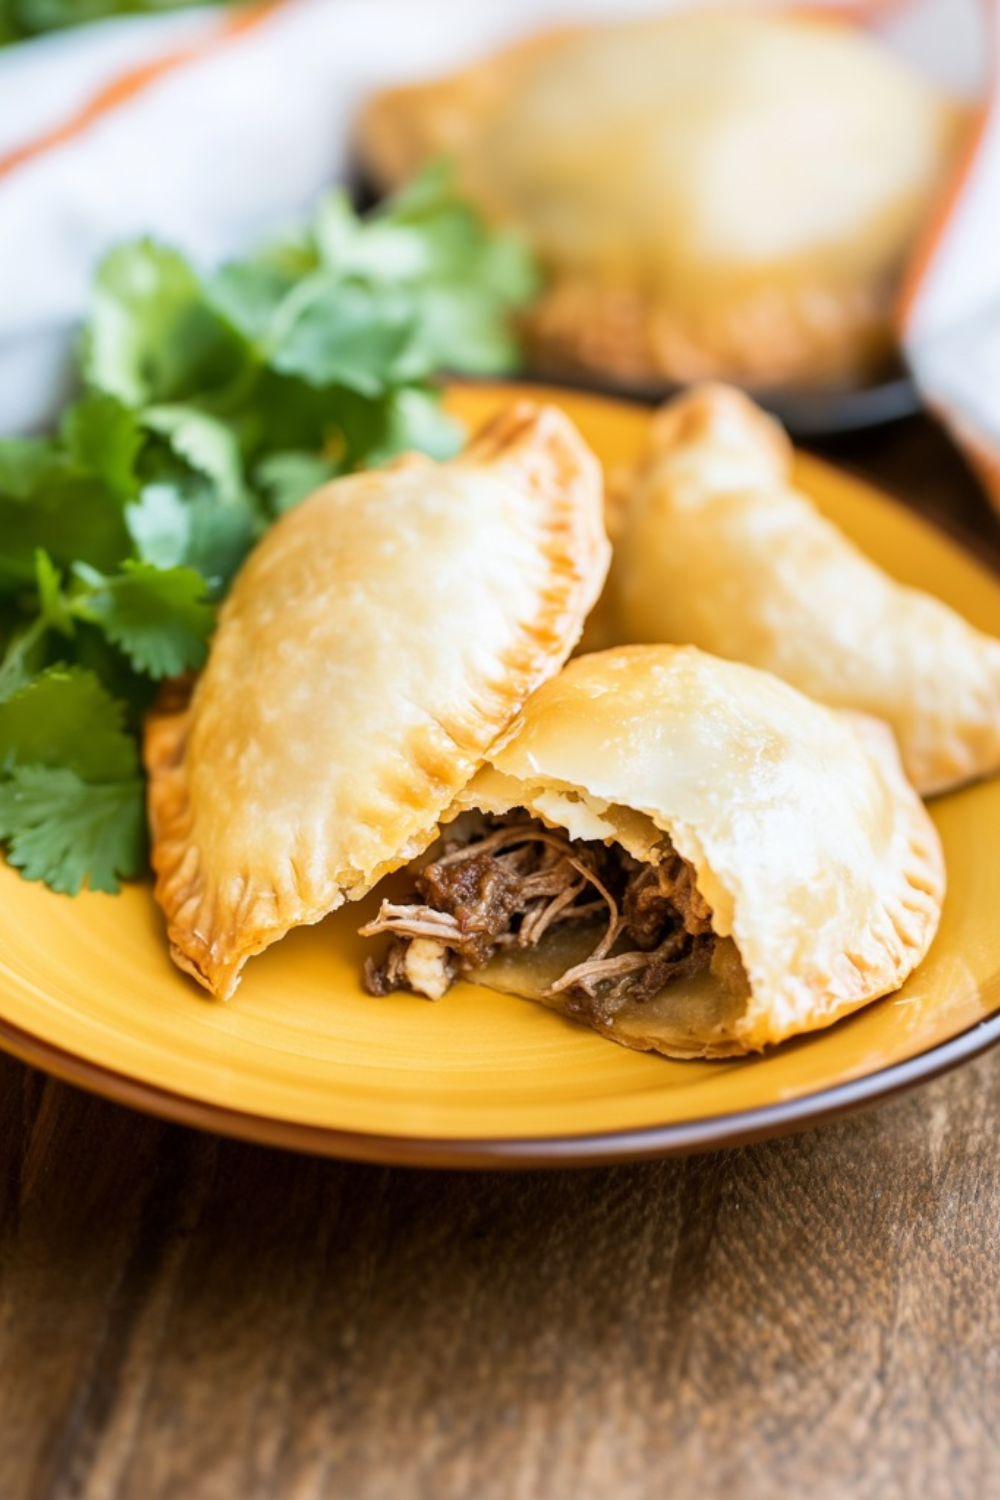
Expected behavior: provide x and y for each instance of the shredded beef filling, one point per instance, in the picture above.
(508, 881)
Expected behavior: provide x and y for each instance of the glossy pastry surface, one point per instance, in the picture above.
(819, 865)
(716, 547)
(373, 646)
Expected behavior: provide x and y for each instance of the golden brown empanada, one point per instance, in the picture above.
(717, 548)
(711, 194)
(373, 647)
(752, 865)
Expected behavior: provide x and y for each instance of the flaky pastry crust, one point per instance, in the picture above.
(711, 194)
(817, 858)
(373, 646)
(716, 547)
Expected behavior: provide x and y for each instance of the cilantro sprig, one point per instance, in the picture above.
(71, 795)
(210, 405)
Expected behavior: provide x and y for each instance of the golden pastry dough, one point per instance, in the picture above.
(717, 548)
(711, 194)
(818, 860)
(373, 646)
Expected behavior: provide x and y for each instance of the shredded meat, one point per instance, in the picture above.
(382, 978)
(481, 894)
(656, 894)
(511, 880)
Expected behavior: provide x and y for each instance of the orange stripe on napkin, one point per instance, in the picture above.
(861, 13)
(129, 85)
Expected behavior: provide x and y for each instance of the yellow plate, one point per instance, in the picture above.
(301, 1057)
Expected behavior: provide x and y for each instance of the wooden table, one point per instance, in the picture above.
(188, 1318)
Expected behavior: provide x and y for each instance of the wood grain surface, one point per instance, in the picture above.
(188, 1318)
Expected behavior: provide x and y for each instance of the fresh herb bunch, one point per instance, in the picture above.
(210, 405)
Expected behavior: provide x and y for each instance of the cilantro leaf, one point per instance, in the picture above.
(177, 523)
(457, 329)
(157, 616)
(53, 606)
(422, 195)
(248, 294)
(290, 413)
(378, 249)
(69, 516)
(205, 443)
(414, 419)
(348, 335)
(152, 335)
(286, 478)
(22, 660)
(103, 438)
(221, 536)
(24, 462)
(69, 832)
(65, 718)
(159, 524)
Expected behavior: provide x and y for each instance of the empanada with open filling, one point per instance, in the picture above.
(716, 547)
(373, 647)
(683, 852)
(710, 193)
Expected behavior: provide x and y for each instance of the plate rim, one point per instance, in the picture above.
(808, 416)
(601, 1148)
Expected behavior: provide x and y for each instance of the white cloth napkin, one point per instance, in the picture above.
(950, 312)
(204, 128)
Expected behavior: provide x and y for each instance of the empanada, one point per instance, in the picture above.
(717, 548)
(374, 645)
(752, 865)
(710, 194)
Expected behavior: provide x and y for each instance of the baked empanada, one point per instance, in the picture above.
(710, 194)
(718, 549)
(702, 861)
(374, 645)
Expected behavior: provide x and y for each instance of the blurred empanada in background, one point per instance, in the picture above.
(374, 645)
(713, 862)
(711, 194)
(716, 547)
